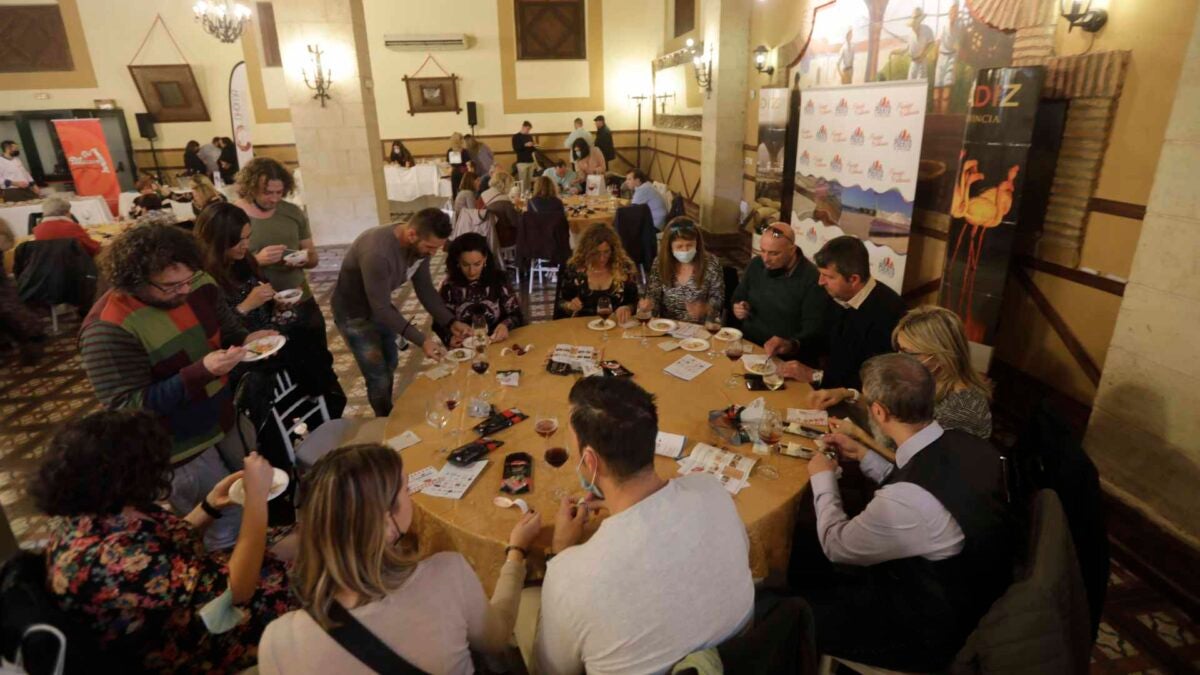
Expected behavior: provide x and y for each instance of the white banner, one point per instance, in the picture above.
(857, 157)
(240, 116)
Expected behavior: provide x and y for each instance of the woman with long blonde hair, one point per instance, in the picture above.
(685, 282)
(598, 268)
(351, 568)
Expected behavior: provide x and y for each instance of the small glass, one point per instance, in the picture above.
(712, 324)
(643, 316)
(437, 418)
(604, 309)
(773, 376)
(733, 352)
(451, 398)
(479, 330)
(770, 429)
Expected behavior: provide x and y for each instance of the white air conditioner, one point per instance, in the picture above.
(426, 42)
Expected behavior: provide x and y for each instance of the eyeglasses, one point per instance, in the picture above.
(179, 285)
(777, 232)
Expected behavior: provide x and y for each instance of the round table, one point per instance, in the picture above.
(604, 210)
(476, 528)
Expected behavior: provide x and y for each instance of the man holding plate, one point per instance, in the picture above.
(163, 340)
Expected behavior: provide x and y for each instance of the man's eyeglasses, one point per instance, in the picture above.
(177, 286)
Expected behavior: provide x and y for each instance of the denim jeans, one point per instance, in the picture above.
(375, 351)
(192, 482)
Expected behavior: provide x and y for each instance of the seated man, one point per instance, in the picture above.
(667, 573)
(779, 297)
(563, 177)
(932, 549)
(57, 224)
(644, 193)
(16, 184)
(163, 340)
(865, 315)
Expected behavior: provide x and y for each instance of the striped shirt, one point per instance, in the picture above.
(143, 357)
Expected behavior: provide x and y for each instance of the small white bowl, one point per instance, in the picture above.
(289, 297)
(297, 258)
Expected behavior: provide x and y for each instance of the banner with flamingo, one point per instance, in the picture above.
(989, 194)
(857, 156)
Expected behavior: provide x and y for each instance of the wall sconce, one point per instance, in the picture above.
(703, 64)
(321, 80)
(760, 61)
(1082, 15)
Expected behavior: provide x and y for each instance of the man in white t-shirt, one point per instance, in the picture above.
(667, 572)
(15, 180)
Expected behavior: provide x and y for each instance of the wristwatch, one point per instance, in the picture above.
(853, 394)
(211, 510)
(524, 553)
(817, 376)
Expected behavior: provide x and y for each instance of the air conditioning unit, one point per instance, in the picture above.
(427, 42)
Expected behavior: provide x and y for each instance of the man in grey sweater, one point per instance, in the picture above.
(379, 261)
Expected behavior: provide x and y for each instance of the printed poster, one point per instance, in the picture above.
(857, 158)
(88, 158)
(240, 117)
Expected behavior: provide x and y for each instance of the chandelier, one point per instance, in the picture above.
(223, 20)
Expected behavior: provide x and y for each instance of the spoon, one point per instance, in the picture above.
(506, 503)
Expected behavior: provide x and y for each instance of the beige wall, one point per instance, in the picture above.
(113, 31)
(627, 44)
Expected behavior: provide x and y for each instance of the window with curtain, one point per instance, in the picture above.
(551, 30)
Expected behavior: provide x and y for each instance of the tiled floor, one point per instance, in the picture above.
(1141, 632)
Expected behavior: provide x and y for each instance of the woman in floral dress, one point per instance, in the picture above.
(138, 576)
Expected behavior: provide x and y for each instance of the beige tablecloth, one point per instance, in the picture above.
(476, 528)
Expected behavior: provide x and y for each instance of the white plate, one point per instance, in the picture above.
(662, 325)
(602, 324)
(460, 355)
(728, 334)
(279, 483)
(297, 258)
(759, 367)
(263, 347)
(471, 342)
(693, 345)
(289, 297)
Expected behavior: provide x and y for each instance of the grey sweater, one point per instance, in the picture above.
(376, 265)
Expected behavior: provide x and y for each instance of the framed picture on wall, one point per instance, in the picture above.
(170, 92)
(432, 94)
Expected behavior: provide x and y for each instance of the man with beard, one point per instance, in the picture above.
(163, 340)
(379, 261)
(779, 300)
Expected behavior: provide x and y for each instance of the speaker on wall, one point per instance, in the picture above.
(145, 122)
(472, 114)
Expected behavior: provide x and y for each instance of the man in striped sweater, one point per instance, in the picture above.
(162, 340)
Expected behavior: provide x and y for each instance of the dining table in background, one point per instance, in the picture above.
(406, 184)
(479, 530)
(105, 234)
(89, 211)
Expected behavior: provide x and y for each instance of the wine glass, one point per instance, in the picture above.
(437, 418)
(451, 397)
(546, 425)
(733, 352)
(604, 310)
(643, 316)
(712, 324)
(479, 328)
(770, 429)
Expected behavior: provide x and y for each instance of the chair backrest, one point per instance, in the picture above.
(730, 277)
(635, 227)
(34, 219)
(1040, 624)
(677, 208)
(54, 271)
(505, 219)
(780, 641)
(545, 236)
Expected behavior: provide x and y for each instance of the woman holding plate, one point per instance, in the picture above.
(685, 282)
(598, 268)
(476, 286)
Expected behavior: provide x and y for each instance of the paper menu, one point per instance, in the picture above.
(688, 367)
(669, 445)
(453, 481)
(687, 330)
(575, 356)
(419, 480)
(402, 441)
(731, 469)
(811, 418)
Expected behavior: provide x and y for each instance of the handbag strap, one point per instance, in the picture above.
(365, 645)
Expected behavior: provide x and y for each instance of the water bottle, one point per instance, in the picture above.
(217, 182)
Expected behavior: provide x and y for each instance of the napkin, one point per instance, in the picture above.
(668, 345)
(439, 371)
(403, 441)
(669, 445)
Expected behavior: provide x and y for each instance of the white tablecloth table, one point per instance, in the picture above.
(88, 211)
(406, 184)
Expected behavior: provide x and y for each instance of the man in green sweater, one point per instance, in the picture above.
(779, 296)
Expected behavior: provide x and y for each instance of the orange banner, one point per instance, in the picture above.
(88, 158)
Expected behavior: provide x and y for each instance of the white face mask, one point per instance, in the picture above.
(684, 256)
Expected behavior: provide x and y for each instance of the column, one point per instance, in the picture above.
(726, 31)
(338, 144)
(1144, 433)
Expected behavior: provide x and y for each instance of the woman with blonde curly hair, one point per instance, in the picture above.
(352, 568)
(599, 267)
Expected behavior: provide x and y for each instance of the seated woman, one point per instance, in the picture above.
(545, 197)
(475, 286)
(223, 231)
(400, 154)
(466, 197)
(935, 336)
(459, 159)
(351, 563)
(686, 282)
(204, 193)
(589, 161)
(598, 267)
(498, 189)
(138, 576)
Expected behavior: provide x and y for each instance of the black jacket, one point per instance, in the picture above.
(604, 141)
(858, 334)
(55, 271)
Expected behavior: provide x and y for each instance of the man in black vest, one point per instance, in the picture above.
(866, 313)
(604, 139)
(934, 547)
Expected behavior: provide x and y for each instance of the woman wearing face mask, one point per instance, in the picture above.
(430, 612)
(589, 161)
(685, 282)
(476, 286)
(598, 267)
(400, 154)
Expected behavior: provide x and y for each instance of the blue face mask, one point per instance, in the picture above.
(684, 257)
(584, 483)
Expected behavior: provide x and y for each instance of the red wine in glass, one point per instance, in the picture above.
(480, 367)
(733, 352)
(451, 404)
(556, 456)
